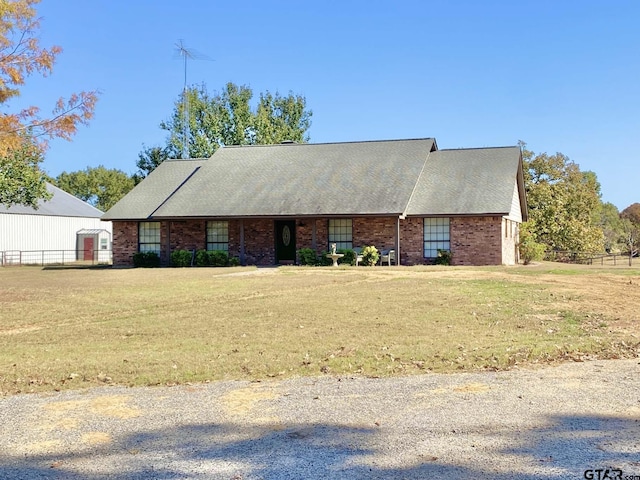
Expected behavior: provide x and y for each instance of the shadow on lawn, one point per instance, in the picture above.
(564, 449)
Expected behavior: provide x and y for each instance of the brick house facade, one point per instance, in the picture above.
(474, 240)
(404, 195)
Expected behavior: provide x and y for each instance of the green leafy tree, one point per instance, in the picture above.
(99, 186)
(530, 249)
(613, 228)
(22, 181)
(563, 203)
(148, 161)
(227, 118)
(281, 118)
(631, 221)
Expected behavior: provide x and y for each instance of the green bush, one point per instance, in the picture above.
(202, 258)
(307, 256)
(443, 258)
(219, 258)
(181, 258)
(530, 249)
(349, 256)
(370, 256)
(234, 261)
(146, 259)
(215, 258)
(324, 261)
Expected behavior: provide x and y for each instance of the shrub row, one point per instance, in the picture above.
(186, 258)
(146, 259)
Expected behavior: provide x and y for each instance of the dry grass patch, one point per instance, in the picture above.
(77, 328)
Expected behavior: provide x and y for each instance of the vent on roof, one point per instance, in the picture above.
(288, 142)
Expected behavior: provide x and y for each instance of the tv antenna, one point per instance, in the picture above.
(187, 54)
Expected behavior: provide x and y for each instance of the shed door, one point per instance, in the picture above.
(88, 248)
(286, 241)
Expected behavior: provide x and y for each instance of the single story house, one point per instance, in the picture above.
(262, 203)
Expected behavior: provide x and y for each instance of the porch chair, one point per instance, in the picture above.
(358, 252)
(388, 256)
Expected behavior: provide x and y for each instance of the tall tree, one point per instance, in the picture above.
(631, 218)
(563, 203)
(99, 186)
(632, 212)
(24, 133)
(613, 228)
(227, 118)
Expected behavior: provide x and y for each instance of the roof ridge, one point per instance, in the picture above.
(330, 143)
(415, 185)
(477, 148)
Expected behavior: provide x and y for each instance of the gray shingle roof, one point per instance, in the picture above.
(466, 181)
(302, 179)
(392, 177)
(141, 202)
(61, 204)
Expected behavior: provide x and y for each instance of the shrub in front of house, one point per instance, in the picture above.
(307, 256)
(146, 259)
(214, 258)
(218, 258)
(202, 258)
(370, 256)
(181, 258)
(443, 258)
(349, 257)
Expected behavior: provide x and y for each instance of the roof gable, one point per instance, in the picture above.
(470, 181)
(150, 194)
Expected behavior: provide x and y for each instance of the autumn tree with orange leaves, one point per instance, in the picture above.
(24, 134)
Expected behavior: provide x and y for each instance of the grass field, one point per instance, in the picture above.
(74, 328)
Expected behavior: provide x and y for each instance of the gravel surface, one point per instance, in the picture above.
(552, 422)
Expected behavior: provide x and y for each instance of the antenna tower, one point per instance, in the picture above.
(187, 54)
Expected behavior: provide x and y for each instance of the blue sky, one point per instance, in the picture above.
(561, 75)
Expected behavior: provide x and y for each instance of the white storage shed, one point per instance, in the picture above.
(62, 229)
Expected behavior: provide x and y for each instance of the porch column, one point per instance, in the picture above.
(242, 259)
(167, 249)
(398, 241)
(314, 242)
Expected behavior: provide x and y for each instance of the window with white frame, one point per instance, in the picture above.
(218, 236)
(436, 236)
(149, 237)
(341, 233)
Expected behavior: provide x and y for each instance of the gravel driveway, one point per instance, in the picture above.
(552, 422)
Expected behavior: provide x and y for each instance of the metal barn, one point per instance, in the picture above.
(55, 232)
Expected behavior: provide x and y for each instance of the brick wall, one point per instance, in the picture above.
(377, 231)
(412, 242)
(259, 242)
(125, 243)
(476, 240)
(187, 235)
